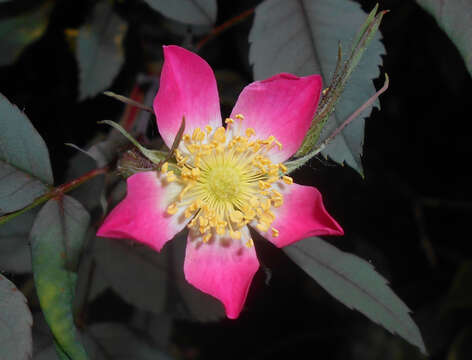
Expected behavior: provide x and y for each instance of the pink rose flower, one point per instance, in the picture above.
(224, 179)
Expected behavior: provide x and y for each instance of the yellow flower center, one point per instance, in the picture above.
(227, 183)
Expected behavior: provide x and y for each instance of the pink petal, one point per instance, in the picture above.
(223, 268)
(141, 215)
(282, 106)
(187, 88)
(302, 215)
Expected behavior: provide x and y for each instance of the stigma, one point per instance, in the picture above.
(227, 181)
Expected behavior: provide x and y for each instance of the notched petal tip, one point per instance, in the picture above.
(141, 215)
(302, 215)
(222, 269)
(187, 88)
(282, 106)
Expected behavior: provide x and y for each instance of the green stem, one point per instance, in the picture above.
(55, 192)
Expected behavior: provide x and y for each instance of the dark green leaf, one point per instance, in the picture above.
(462, 346)
(18, 32)
(100, 50)
(162, 284)
(16, 342)
(454, 17)
(92, 194)
(197, 12)
(301, 37)
(56, 241)
(357, 285)
(115, 341)
(121, 264)
(460, 293)
(15, 254)
(197, 305)
(25, 169)
(105, 341)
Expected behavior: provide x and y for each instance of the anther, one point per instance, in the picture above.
(287, 179)
(207, 238)
(250, 132)
(220, 135)
(239, 116)
(172, 209)
(171, 176)
(275, 232)
(164, 167)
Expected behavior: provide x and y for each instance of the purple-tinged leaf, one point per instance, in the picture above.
(16, 342)
(356, 284)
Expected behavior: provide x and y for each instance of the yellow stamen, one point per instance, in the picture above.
(287, 179)
(220, 135)
(227, 183)
(164, 167)
(172, 209)
(250, 132)
(170, 176)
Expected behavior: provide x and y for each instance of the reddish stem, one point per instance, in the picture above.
(219, 29)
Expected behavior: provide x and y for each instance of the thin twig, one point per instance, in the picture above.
(354, 115)
(223, 27)
(55, 193)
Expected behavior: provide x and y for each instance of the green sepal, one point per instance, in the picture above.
(333, 92)
(155, 156)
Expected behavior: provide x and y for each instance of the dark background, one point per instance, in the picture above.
(415, 194)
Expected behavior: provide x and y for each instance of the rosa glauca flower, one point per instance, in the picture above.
(224, 179)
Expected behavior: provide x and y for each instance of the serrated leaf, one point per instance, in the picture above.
(15, 254)
(25, 169)
(301, 37)
(18, 32)
(100, 50)
(16, 342)
(454, 17)
(56, 241)
(356, 284)
(196, 12)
